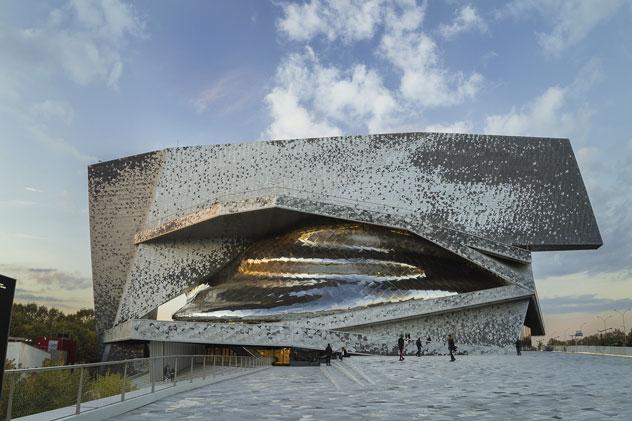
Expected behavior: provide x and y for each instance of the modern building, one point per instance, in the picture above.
(62, 348)
(289, 245)
(21, 354)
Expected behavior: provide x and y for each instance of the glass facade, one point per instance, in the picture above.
(330, 267)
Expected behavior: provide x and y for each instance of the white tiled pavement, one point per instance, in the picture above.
(534, 386)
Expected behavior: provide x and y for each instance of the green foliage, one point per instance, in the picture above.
(45, 391)
(30, 321)
(48, 390)
(611, 338)
(108, 385)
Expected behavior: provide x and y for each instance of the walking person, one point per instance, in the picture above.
(451, 347)
(328, 352)
(518, 346)
(418, 343)
(400, 344)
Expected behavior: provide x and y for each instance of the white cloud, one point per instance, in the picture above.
(15, 203)
(58, 143)
(54, 110)
(26, 236)
(587, 156)
(455, 127)
(572, 21)
(557, 112)
(220, 90)
(465, 19)
(33, 189)
(232, 91)
(349, 20)
(589, 75)
(112, 19)
(85, 39)
(52, 287)
(291, 120)
(309, 96)
(404, 45)
(359, 97)
(424, 80)
(544, 116)
(311, 99)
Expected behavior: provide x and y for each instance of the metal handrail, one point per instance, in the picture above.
(208, 360)
(105, 363)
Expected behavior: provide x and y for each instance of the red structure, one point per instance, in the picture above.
(61, 347)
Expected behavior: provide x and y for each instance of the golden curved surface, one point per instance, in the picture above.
(330, 268)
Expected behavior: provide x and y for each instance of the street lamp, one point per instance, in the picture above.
(623, 320)
(582, 326)
(604, 319)
(581, 330)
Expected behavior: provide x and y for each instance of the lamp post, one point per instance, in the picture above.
(567, 334)
(622, 312)
(581, 330)
(603, 319)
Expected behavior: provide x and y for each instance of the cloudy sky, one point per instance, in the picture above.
(82, 81)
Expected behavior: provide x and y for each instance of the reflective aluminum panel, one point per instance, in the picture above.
(329, 268)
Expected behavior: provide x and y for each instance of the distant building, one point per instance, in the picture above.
(346, 240)
(61, 348)
(23, 355)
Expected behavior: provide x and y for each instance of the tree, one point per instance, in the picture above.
(45, 391)
(30, 321)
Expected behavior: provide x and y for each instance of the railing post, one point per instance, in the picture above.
(123, 384)
(152, 376)
(79, 393)
(191, 379)
(204, 368)
(175, 372)
(11, 390)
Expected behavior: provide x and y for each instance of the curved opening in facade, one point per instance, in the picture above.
(329, 267)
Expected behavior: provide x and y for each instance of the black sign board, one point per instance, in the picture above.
(7, 289)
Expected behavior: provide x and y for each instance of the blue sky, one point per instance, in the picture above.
(82, 81)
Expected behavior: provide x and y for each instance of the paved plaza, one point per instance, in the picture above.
(536, 385)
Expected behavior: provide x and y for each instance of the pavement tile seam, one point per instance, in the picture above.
(534, 386)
